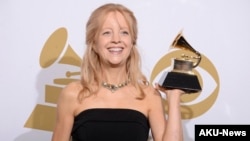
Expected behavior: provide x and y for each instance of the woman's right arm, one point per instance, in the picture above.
(65, 113)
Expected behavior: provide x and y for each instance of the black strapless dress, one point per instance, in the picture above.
(110, 125)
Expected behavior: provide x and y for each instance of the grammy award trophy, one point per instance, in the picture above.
(181, 76)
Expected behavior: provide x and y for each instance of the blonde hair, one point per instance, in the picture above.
(91, 61)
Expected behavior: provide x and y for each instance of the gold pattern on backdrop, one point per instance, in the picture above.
(43, 116)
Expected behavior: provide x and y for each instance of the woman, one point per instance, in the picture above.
(113, 101)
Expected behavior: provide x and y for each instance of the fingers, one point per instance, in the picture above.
(175, 91)
(158, 87)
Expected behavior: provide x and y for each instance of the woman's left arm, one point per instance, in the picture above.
(173, 128)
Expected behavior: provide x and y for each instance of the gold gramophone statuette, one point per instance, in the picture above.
(182, 77)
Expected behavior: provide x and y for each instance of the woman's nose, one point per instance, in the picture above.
(116, 38)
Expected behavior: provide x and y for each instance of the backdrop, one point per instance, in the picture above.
(42, 43)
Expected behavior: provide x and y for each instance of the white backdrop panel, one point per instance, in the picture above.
(219, 29)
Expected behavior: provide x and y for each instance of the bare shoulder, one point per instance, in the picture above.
(151, 92)
(71, 91)
(73, 87)
(152, 95)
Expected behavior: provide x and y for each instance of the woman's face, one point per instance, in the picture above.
(114, 41)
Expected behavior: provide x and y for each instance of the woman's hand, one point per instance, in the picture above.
(169, 92)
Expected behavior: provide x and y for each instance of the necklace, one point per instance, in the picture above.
(113, 87)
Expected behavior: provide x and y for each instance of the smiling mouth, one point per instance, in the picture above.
(115, 49)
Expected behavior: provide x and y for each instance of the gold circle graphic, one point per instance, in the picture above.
(196, 109)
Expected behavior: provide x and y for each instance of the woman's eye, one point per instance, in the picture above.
(124, 32)
(106, 33)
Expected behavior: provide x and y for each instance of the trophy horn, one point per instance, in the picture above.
(180, 42)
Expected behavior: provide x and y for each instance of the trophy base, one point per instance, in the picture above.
(186, 82)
